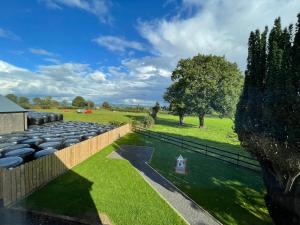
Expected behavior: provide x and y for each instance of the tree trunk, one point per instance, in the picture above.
(201, 120)
(180, 120)
(284, 208)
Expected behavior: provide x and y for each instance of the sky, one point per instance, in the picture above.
(121, 51)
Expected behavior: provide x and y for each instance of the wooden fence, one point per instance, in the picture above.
(23, 180)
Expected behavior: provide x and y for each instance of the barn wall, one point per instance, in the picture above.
(11, 122)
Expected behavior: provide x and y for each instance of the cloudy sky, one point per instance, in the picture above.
(121, 51)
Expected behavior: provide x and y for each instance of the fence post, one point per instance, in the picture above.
(181, 142)
(238, 159)
(205, 149)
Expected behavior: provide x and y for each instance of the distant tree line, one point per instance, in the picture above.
(49, 102)
(268, 116)
(203, 84)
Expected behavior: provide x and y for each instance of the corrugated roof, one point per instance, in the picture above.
(7, 105)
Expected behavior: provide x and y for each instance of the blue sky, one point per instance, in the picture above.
(121, 51)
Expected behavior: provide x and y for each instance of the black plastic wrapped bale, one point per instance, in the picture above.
(89, 135)
(44, 152)
(4, 145)
(36, 121)
(52, 117)
(69, 142)
(50, 145)
(9, 162)
(17, 139)
(14, 147)
(54, 139)
(60, 117)
(34, 134)
(33, 142)
(23, 152)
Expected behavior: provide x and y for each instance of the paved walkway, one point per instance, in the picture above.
(138, 156)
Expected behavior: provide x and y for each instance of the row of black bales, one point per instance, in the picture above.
(41, 140)
(39, 118)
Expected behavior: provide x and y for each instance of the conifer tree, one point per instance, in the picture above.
(268, 118)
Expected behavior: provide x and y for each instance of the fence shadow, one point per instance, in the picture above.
(70, 196)
(70, 193)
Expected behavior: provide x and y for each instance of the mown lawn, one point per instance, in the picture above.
(104, 185)
(98, 116)
(235, 196)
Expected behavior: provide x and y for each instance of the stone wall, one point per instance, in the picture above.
(12, 122)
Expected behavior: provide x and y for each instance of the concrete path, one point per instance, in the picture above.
(138, 156)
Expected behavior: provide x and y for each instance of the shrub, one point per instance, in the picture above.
(148, 121)
(116, 123)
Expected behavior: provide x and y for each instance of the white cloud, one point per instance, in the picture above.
(8, 68)
(98, 76)
(40, 51)
(117, 44)
(71, 79)
(52, 60)
(9, 35)
(216, 27)
(100, 8)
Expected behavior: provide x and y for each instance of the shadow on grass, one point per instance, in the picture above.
(233, 195)
(172, 123)
(67, 195)
(202, 141)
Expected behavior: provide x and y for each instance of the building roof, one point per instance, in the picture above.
(7, 105)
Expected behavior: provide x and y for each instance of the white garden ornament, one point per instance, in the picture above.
(180, 165)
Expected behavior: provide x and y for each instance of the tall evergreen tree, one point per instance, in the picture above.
(268, 118)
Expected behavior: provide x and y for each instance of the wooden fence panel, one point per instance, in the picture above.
(16, 183)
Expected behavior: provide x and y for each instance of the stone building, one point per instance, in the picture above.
(13, 118)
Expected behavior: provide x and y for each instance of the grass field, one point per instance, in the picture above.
(108, 186)
(233, 195)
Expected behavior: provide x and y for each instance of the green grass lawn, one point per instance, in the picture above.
(233, 195)
(110, 186)
(98, 116)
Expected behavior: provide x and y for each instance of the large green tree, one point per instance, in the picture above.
(175, 95)
(209, 83)
(24, 102)
(268, 119)
(78, 101)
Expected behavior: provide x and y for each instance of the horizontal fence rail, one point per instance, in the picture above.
(17, 183)
(189, 145)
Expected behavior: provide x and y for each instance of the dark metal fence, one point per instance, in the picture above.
(237, 159)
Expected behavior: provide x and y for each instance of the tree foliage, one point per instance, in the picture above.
(78, 101)
(12, 97)
(175, 95)
(268, 119)
(155, 110)
(204, 83)
(24, 102)
(106, 105)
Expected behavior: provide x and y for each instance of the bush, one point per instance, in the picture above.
(136, 123)
(148, 121)
(116, 123)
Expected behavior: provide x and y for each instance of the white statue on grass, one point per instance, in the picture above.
(180, 165)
